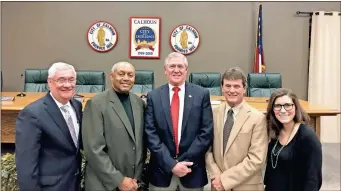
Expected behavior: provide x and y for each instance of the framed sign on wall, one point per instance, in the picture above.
(145, 37)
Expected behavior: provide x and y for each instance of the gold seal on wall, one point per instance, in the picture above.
(102, 36)
(184, 39)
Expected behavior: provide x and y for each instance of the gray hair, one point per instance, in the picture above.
(117, 64)
(59, 66)
(176, 55)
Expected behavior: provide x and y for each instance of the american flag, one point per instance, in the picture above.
(259, 64)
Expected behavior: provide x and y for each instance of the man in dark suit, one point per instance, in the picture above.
(113, 135)
(179, 130)
(48, 140)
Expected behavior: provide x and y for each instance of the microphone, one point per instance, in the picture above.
(21, 93)
(144, 98)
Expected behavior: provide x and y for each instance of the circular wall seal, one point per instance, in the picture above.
(102, 36)
(184, 39)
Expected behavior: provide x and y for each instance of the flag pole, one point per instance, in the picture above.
(256, 68)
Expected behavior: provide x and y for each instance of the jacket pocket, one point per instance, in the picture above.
(49, 180)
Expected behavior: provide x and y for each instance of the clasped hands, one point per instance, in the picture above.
(216, 183)
(182, 168)
(128, 184)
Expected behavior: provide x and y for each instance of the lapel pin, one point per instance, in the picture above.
(190, 96)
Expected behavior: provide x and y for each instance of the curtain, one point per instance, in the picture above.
(324, 70)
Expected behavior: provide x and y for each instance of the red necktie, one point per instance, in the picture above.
(175, 116)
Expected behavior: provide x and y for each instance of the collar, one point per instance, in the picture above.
(60, 104)
(235, 109)
(182, 87)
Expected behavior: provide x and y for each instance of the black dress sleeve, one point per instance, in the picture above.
(313, 153)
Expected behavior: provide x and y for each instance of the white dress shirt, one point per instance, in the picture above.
(72, 113)
(181, 109)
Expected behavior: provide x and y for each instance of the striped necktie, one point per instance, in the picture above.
(69, 122)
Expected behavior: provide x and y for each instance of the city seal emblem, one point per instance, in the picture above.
(185, 39)
(102, 36)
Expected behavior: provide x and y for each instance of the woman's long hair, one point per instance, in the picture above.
(274, 126)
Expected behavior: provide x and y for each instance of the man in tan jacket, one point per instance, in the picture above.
(238, 154)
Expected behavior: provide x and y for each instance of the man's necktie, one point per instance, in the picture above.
(227, 128)
(70, 124)
(175, 106)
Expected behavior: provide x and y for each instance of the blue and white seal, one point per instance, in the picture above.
(145, 38)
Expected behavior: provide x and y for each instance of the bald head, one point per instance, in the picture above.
(122, 77)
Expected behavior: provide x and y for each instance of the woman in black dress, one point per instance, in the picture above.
(294, 160)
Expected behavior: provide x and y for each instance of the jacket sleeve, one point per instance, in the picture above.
(94, 145)
(253, 162)
(27, 147)
(211, 165)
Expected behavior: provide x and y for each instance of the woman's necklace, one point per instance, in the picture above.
(273, 154)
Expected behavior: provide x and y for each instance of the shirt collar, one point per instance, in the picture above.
(235, 109)
(60, 104)
(182, 87)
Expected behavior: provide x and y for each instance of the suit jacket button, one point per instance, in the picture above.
(133, 166)
(134, 148)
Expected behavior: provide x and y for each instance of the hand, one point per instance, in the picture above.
(181, 168)
(216, 183)
(128, 184)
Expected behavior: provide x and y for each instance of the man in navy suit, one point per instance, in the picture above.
(48, 139)
(179, 130)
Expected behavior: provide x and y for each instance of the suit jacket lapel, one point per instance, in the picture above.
(166, 106)
(220, 125)
(57, 116)
(242, 116)
(188, 101)
(137, 117)
(119, 109)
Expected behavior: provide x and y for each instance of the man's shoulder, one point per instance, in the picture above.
(254, 111)
(219, 107)
(79, 103)
(100, 97)
(197, 88)
(35, 106)
(157, 90)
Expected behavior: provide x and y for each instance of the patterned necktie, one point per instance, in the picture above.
(175, 106)
(70, 125)
(227, 128)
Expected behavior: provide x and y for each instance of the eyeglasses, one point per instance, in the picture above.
(287, 106)
(62, 81)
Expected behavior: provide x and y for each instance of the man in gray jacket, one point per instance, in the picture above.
(113, 134)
